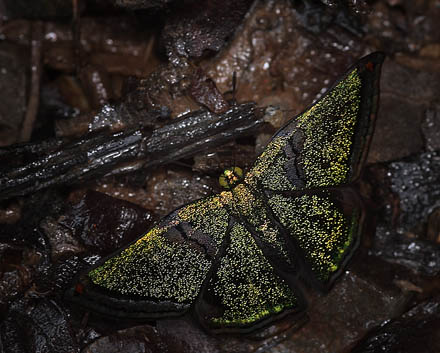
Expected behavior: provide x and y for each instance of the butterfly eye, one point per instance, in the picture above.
(230, 177)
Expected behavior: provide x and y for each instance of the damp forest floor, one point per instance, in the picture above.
(115, 113)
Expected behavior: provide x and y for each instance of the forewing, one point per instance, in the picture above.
(327, 144)
(244, 291)
(161, 273)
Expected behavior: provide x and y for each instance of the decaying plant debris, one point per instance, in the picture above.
(126, 111)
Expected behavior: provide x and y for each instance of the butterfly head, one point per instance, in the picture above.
(230, 177)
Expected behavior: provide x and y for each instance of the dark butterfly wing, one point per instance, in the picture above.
(245, 292)
(327, 144)
(161, 273)
(323, 147)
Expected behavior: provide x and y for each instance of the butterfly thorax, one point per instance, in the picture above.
(230, 177)
(248, 206)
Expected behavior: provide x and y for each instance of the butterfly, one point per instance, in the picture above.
(241, 259)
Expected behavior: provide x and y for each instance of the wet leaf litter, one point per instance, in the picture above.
(239, 258)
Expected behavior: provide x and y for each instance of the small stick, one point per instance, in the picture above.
(34, 93)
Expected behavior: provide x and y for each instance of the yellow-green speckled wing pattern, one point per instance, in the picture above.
(239, 258)
(325, 145)
(165, 268)
(244, 289)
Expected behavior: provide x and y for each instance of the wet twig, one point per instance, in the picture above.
(56, 162)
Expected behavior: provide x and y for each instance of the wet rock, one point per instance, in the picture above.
(405, 96)
(415, 331)
(421, 256)
(104, 223)
(416, 182)
(196, 27)
(410, 194)
(13, 83)
(37, 325)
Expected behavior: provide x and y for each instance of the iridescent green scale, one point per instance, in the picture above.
(239, 259)
(245, 285)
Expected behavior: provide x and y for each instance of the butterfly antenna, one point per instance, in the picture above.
(215, 186)
(216, 165)
(234, 157)
(234, 87)
(219, 171)
(232, 92)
